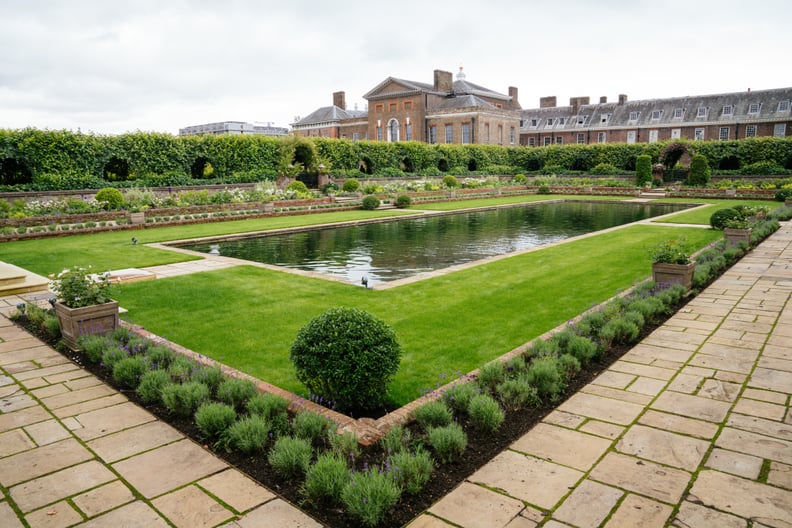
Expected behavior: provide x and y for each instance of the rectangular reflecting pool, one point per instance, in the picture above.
(397, 249)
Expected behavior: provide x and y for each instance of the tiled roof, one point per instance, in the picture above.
(724, 108)
(462, 86)
(463, 101)
(329, 114)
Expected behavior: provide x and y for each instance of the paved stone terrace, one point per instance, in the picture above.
(692, 428)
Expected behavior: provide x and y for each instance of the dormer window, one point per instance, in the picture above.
(534, 123)
(728, 110)
(702, 111)
(562, 121)
(753, 108)
(550, 122)
(783, 106)
(679, 113)
(656, 115)
(633, 116)
(604, 118)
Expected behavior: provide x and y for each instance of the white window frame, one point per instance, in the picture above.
(355, 136)
(702, 111)
(754, 108)
(548, 141)
(656, 115)
(631, 137)
(750, 131)
(531, 142)
(698, 134)
(653, 135)
(393, 129)
(783, 106)
(679, 113)
(449, 133)
(723, 133)
(535, 122)
(562, 121)
(550, 122)
(408, 132)
(779, 130)
(559, 140)
(582, 120)
(512, 135)
(581, 138)
(602, 137)
(676, 133)
(465, 133)
(728, 110)
(379, 133)
(634, 116)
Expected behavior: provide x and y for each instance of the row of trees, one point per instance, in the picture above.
(44, 159)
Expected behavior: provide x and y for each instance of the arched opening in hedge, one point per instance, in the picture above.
(366, 166)
(629, 164)
(534, 164)
(116, 169)
(407, 165)
(672, 154)
(729, 163)
(305, 155)
(472, 165)
(201, 168)
(581, 163)
(443, 165)
(788, 164)
(13, 172)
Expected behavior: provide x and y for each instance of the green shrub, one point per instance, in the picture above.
(235, 391)
(369, 495)
(581, 348)
(351, 185)
(619, 331)
(396, 439)
(412, 470)
(544, 375)
(181, 368)
(128, 371)
(290, 457)
(370, 202)
(458, 396)
(298, 187)
(543, 189)
(213, 419)
(348, 356)
(248, 435)
(151, 384)
(448, 442)
(520, 179)
(325, 479)
(485, 413)
(113, 355)
(212, 376)
(403, 201)
(783, 195)
(490, 375)
(344, 444)
(568, 365)
(643, 170)
(94, 346)
(651, 308)
(450, 181)
(183, 399)
(110, 198)
(312, 426)
(160, 356)
(699, 171)
(517, 393)
(267, 405)
(721, 217)
(433, 414)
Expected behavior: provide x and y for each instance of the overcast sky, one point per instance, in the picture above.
(113, 66)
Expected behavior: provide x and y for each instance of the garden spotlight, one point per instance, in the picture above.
(134, 241)
(364, 281)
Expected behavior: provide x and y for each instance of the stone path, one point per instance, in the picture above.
(692, 428)
(74, 452)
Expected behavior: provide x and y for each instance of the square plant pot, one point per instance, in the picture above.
(137, 218)
(663, 273)
(96, 319)
(736, 236)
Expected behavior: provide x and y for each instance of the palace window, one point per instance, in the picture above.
(581, 138)
(676, 133)
(393, 130)
(779, 130)
(753, 108)
(633, 116)
(750, 131)
(392, 107)
(679, 113)
(653, 136)
(562, 121)
(379, 133)
(698, 134)
(656, 115)
(601, 137)
(512, 135)
(449, 133)
(379, 108)
(432, 134)
(408, 132)
(547, 140)
(723, 135)
(549, 122)
(783, 106)
(465, 133)
(355, 136)
(728, 110)
(534, 123)
(559, 140)
(531, 142)
(702, 111)
(631, 137)
(408, 105)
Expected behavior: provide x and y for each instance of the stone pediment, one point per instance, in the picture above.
(392, 86)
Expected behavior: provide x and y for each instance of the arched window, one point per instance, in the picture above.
(393, 130)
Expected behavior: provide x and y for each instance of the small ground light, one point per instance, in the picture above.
(364, 281)
(52, 301)
(134, 241)
(21, 307)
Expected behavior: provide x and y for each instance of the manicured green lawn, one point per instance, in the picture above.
(490, 202)
(114, 250)
(247, 317)
(702, 214)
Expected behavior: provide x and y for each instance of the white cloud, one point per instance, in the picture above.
(112, 67)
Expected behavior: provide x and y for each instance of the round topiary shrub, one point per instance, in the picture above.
(351, 185)
(110, 198)
(298, 187)
(403, 201)
(450, 181)
(370, 203)
(348, 356)
(719, 218)
(783, 195)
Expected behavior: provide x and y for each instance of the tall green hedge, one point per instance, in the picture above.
(643, 169)
(68, 160)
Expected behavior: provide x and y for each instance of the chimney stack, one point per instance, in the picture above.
(622, 99)
(547, 102)
(577, 102)
(603, 99)
(513, 94)
(339, 100)
(443, 81)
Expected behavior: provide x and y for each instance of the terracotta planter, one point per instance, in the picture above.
(735, 236)
(96, 319)
(137, 218)
(663, 273)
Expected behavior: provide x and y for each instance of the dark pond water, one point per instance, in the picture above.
(388, 251)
